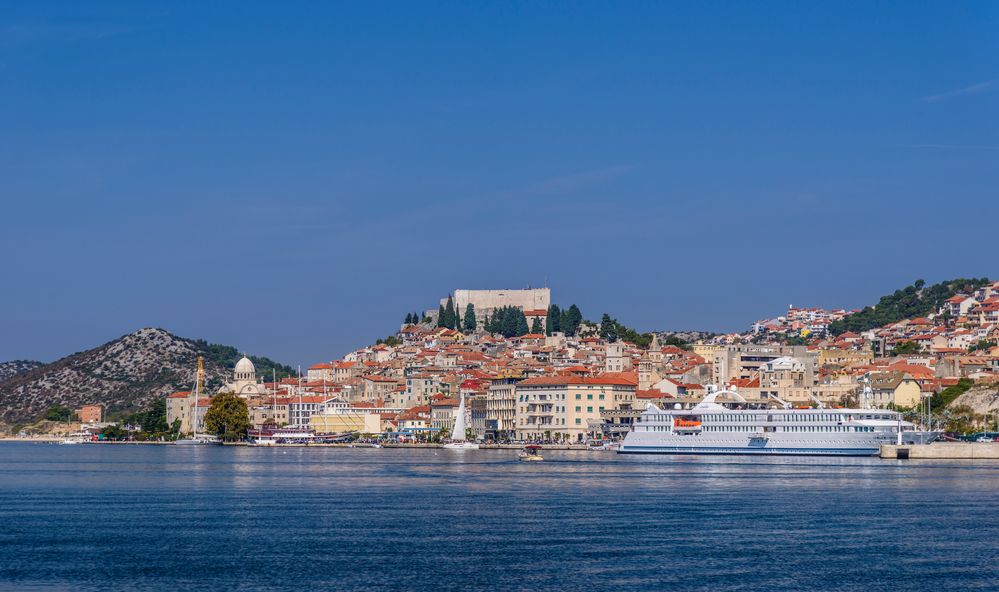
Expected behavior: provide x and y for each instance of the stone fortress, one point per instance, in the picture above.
(486, 301)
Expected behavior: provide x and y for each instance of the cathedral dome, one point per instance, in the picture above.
(245, 370)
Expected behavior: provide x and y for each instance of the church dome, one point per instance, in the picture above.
(245, 370)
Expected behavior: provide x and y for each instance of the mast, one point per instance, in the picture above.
(301, 410)
(197, 395)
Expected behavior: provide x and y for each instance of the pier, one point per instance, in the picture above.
(942, 450)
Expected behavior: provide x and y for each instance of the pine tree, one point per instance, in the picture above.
(552, 321)
(571, 320)
(536, 326)
(440, 316)
(449, 313)
(607, 328)
(470, 322)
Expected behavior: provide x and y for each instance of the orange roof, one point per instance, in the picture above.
(573, 379)
(180, 395)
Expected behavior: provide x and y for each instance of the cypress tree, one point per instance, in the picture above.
(536, 326)
(521, 322)
(409, 319)
(440, 316)
(449, 313)
(470, 322)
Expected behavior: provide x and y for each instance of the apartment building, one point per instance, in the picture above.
(568, 408)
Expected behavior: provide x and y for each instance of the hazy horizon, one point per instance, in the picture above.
(293, 182)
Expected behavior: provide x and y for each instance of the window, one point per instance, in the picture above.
(601, 396)
(589, 397)
(578, 408)
(589, 409)
(578, 396)
(579, 421)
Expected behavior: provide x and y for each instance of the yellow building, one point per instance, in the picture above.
(896, 388)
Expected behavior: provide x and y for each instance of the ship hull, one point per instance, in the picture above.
(845, 445)
(748, 451)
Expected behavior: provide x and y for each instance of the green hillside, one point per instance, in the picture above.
(911, 302)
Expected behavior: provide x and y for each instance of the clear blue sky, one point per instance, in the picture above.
(292, 179)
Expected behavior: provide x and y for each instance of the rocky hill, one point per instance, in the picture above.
(11, 369)
(126, 374)
(982, 400)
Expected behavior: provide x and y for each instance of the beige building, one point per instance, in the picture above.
(787, 379)
(844, 357)
(486, 301)
(568, 408)
(501, 409)
(180, 406)
(742, 362)
(339, 423)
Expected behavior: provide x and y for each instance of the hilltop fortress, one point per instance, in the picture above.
(486, 301)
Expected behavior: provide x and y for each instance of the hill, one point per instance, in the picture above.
(11, 369)
(125, 375)
(911, 302)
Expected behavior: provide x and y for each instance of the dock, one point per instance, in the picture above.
(942, 450)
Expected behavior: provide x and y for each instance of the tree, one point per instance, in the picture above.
(228, 417)
(906, 347)
(536, 326)
(59, 413)
(553, 320)
(607, 326)
(417, 318)
(409, 319)
(440, 316)
(910, 302)
(522, 328)
(457, 319)
(470, 323)
(570, 321)
(449, 316)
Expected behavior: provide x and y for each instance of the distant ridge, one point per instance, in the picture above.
(125, 374)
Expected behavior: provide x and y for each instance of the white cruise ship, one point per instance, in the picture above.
(711, 427)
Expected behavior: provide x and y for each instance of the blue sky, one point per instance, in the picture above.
(293, 179)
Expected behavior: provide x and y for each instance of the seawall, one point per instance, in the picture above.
(942, 450)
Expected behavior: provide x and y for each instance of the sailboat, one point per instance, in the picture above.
(197, 438)
(458, 441)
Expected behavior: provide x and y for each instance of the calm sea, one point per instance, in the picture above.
(209, 518)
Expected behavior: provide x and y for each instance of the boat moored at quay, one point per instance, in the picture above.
(732, 427)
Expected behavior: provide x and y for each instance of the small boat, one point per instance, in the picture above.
(530, 454)
(365, 445)
(458, 441)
